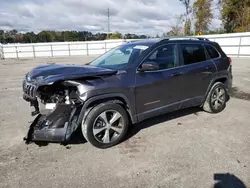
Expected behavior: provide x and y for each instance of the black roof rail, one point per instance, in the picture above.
(186, 38)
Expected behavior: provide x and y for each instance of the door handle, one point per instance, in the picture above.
(177, 74)
(209, 67)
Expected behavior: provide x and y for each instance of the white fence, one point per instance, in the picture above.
(236, 44)
(55, 49)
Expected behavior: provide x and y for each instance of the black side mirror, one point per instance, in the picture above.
(149, 66)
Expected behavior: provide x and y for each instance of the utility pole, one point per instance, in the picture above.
(108, 24)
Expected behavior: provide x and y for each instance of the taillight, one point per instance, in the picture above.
(230, 60)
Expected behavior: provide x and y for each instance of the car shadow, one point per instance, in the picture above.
(136, 128)
(238, 94)
(78, 138)
(228, 181)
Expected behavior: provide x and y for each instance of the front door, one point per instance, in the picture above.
(159, 91)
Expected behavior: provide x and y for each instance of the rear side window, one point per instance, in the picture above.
(212, 52)
(193, 53)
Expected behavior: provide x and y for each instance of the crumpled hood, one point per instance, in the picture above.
(48, 74)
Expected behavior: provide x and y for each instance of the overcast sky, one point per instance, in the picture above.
(149, 17)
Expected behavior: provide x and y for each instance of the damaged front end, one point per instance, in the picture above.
(56, 107)
(58, 92)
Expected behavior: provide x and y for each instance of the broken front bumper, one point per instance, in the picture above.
(55, 126)
(51, 127)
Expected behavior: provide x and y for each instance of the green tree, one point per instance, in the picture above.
(134, 36)
(30, 37)
(19, 38)
(9, 36)
(143, 37)
(1, 36)
(127, 36)
(45, 36)
(71, 36)
(60, 36)
(115, 35)
(235, 15)
(203, 15)
(13, 33)
(67, 36)
(100, 36)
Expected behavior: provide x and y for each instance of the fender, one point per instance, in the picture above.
(217, 77)
(85, 108)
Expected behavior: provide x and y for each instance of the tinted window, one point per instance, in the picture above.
(164, 56)
(193, 53)
(212, 52)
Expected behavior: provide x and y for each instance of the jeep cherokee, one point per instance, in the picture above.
(126, 85)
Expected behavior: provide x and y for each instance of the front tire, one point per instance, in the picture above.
(216, 98)
(106, 125)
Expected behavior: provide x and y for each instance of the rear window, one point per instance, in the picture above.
(193, 53)
(212, 52)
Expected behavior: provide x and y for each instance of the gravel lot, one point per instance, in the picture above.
(181, 149)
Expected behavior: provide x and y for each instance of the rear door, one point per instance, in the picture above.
(198, 72)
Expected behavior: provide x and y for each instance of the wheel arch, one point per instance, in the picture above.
(117, 98)
(223, 79)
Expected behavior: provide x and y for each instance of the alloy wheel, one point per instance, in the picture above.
(218, 98)
(108, 126)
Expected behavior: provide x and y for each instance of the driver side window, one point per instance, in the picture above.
(164, 56)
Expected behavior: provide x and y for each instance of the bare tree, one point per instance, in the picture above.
(188, 11)
(176, 27)
(202, 10)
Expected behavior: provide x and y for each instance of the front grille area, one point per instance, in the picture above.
(29, 90)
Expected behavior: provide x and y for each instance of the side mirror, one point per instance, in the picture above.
(149, 66)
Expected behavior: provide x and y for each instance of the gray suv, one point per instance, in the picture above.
(126, 85)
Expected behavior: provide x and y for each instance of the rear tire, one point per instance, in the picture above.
(106, 125)
(216, 98)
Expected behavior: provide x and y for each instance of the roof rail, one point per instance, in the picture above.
(131, 41)
(185, 38)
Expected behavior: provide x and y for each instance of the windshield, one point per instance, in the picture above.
(120, 57)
